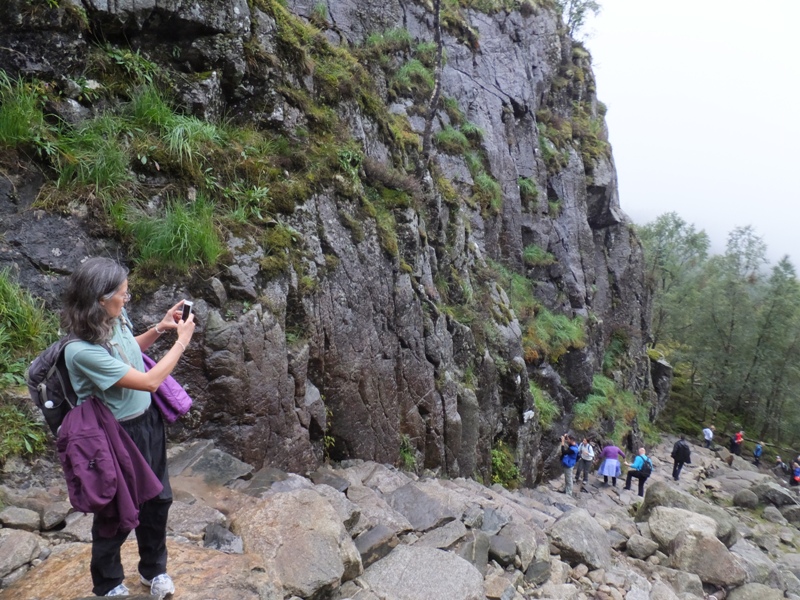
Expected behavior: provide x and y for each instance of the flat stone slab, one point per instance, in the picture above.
(217, 467)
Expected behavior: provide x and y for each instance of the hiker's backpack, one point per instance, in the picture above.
(49, 384)
(647, 467)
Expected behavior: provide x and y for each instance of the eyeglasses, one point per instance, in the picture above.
(125, 297)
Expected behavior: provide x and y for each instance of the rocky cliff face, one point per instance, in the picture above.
(394, 336)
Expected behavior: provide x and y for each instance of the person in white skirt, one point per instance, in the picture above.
(610, 466)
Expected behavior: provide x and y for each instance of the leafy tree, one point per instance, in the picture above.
(729, 324)
(576, 12)
(674, 254)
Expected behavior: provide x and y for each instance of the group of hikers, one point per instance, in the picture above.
(579, 459)
(780, 468)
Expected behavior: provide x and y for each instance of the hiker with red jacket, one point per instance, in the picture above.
(738, 441)
(94, 311)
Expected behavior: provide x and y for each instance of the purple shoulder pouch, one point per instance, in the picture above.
(170, 397)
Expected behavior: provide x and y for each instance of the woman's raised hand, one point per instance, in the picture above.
(170, 320)
(185, 330)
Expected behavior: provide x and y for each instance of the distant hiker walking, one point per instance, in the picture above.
(569, 456)
(610, 466)
(738, 440)
(585, 460)
(708, 435)
(681, 455)
(780, 468)
(641, 468)
(757, 452)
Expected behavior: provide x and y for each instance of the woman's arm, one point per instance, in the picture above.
(149, 381)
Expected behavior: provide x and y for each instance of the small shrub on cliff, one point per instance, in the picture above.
(408, 455)
(504, 471)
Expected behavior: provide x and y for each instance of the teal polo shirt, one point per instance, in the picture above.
(94, 372)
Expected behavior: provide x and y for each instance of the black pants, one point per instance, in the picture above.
(640, 477)
(676, 469)
(147, 432)
(613, 480)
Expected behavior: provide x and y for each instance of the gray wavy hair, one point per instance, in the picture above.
(82, 314)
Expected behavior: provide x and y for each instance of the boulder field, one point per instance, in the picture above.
(361, 530)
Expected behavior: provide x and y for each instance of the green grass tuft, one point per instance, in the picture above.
(26, 328)
(451, 141)
(534, 256)
(183, 237)
(546, 409)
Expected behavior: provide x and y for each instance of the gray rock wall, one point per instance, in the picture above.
(378, 362)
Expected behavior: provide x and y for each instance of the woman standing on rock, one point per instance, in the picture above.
(107, 363)
(610, 467)
(585, 460)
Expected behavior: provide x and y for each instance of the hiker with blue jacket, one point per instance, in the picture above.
(569, 456)
(757, 452)
(106, 369)
(641, 468)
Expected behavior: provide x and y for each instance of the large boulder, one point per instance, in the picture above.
(661, 493)
(707, 557)
(732, 481)
(17, 548)
(375, 510)
(791, 512)
(418, 573)
(791, 563)
(640, 547)
(667, 522)
(426, 505)
(302, 540)
(772, 493)
(745, 499)
(755, 591)
(581, 539)
(760, 569)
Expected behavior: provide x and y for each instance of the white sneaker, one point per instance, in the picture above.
(160, 586)
(120, 590)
